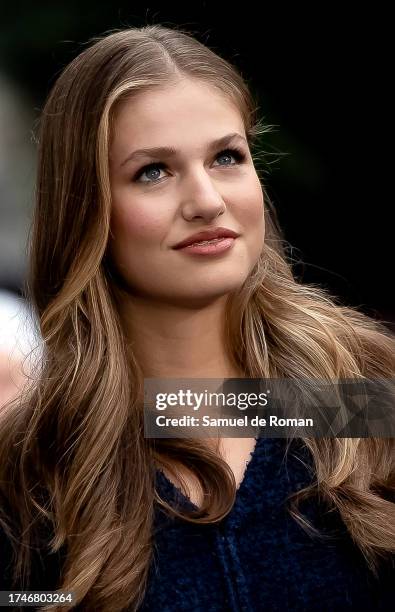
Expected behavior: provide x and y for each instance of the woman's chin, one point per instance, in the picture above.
(206, 295)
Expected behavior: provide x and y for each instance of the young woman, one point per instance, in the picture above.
(147, 141)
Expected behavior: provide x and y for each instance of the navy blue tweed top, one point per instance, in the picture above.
(257, 558)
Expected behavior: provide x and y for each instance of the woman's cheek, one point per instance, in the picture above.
(137, 224)
(249, 206)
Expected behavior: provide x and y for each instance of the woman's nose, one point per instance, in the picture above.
(201, 198)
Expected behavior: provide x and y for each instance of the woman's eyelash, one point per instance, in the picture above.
(235, 152)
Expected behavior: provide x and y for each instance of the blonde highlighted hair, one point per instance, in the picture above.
(67, 443)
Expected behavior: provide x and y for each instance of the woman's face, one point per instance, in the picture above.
(161, 198)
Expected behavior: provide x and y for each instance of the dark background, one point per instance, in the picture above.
(323, 78)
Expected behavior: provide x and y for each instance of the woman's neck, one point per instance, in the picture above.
(174, 342)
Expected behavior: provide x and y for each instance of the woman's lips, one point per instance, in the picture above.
(208, 235)
(209, 247)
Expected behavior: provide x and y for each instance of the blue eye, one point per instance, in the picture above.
(152, 171)
(230, 153)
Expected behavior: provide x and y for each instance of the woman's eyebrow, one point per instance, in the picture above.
(166, 152)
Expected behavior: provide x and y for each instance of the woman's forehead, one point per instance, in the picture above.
(168, 117)
(174, 100)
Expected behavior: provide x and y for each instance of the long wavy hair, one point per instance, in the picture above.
(68, 441)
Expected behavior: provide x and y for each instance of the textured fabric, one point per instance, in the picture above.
(256, 559)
